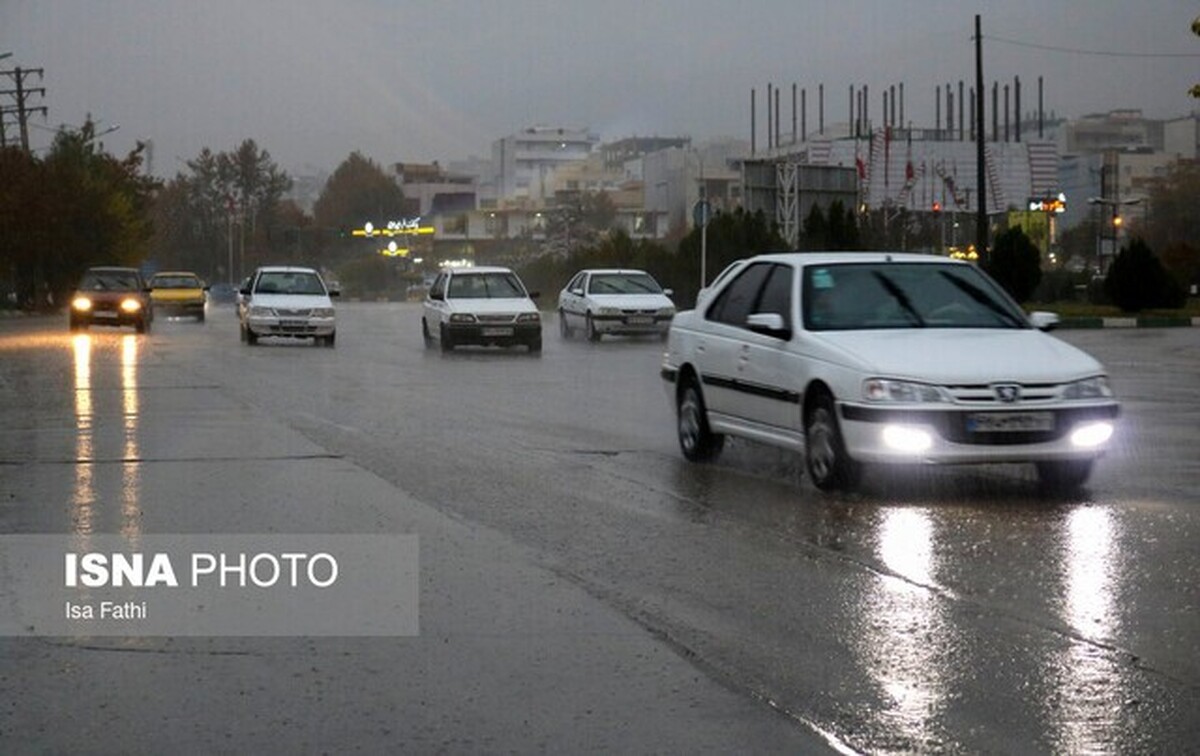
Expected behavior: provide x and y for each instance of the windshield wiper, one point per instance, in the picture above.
(980, 296)
(898, 294)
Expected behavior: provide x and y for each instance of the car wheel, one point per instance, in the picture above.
(829, 466)
(251, 336)
(696, 439)
(331, 339)
(1065, 475)
(447, 344)
(200, 317)
(141, 326)
(535, 345)
(425, 335)
(564, 328)
(76, 324)
(589, 327)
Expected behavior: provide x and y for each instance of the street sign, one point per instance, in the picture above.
(701, 213)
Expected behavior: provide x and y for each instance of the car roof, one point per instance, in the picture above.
(175, 273)
(610, 271)
(113, 269)
(830, 258)
(285, 269)
(479, 269)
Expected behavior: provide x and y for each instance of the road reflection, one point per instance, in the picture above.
(904, 633)
(89, 461)
(1089, 680)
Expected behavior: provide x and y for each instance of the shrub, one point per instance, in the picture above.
(1138, 281)
(1016, 264)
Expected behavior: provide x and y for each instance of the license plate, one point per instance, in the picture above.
(640, 320)
(104, 314)
(292, 323)
(1010, 422)
(497, 332)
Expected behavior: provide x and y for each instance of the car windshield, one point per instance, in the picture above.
(861, 296)
(111, 280)
(175, 282)
(289, 282)
(485, 286)
(623, 283)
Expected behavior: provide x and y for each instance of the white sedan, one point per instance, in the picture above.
(628, 302)
(287, 301)
(480, 306)
(885, 358)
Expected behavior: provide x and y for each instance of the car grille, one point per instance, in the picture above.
(652, 311)
(284, 313)
(492, 318)
(985, 394)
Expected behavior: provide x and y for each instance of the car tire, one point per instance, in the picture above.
(444, 337)
(426, 337)
(564, 328)
(331, 340)
(589, 328)
(825, 457)
(696, 440)
(77, 324)
(200, 317)
(535, 346)
(251, 336)
(142, 325)
(1064, 476)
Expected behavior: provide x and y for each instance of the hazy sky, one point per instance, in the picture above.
(420, 81)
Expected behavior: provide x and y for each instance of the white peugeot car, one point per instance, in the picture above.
(862, 357)
(287, 301)
(481, 306)
(628, 302)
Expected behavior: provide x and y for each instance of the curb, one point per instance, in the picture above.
(1150, 321)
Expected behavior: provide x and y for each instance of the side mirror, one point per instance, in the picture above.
(769, 324)
(245, 292)
(1044, 321)
(437, 296)
(335, 292)
(668, 292)
(535, 294)
(577, 292)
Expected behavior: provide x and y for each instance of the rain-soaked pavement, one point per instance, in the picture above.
(583, 587)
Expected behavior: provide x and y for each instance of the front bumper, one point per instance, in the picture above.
(296, 328)
(632, 325)
(169, 308)
(953, 442)
(487, 334)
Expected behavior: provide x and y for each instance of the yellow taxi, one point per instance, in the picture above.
(178, 293)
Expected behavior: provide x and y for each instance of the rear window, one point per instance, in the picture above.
(110, 281)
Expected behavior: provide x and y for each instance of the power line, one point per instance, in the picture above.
(1103, 53)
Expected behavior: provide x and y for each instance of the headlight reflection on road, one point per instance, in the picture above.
(1089, 679)
(83, 499)
(903, 632)
(131, 511)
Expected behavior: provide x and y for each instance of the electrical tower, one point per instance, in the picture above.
(20, 96)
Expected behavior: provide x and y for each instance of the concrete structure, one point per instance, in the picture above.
(675, 177)
(524, 163)
(786, 189)
(430, 189)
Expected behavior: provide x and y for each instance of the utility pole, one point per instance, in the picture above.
(981, 218)
(20, 94)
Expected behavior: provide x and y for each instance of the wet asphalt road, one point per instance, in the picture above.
(583, 587)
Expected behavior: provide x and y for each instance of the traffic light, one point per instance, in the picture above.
(937, 206)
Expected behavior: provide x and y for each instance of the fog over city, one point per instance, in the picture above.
(311, 81)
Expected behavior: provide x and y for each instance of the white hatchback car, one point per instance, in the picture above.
(883, 358)
(287, 301)
(628, 302)
(481, 306)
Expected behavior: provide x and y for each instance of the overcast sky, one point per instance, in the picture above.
(440, 80)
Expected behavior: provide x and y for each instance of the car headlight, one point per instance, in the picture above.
(666, 311)
(83, 304)
(261, 312)
(130, 305)
(1089, 388)
(322, 312)
(900, 392)
(462, 317)
(529, 317)
(608, 311)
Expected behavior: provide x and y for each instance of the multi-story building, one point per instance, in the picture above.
(676, 177)
(524, 163)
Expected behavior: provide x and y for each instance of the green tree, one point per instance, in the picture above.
(1138, 281)
(1172, 224)
(79, 206)
(814, 230)
(358, 192)
(1016, 264)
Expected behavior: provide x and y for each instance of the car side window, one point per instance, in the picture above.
(438, 289)
(776, 294)
(738, 300)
